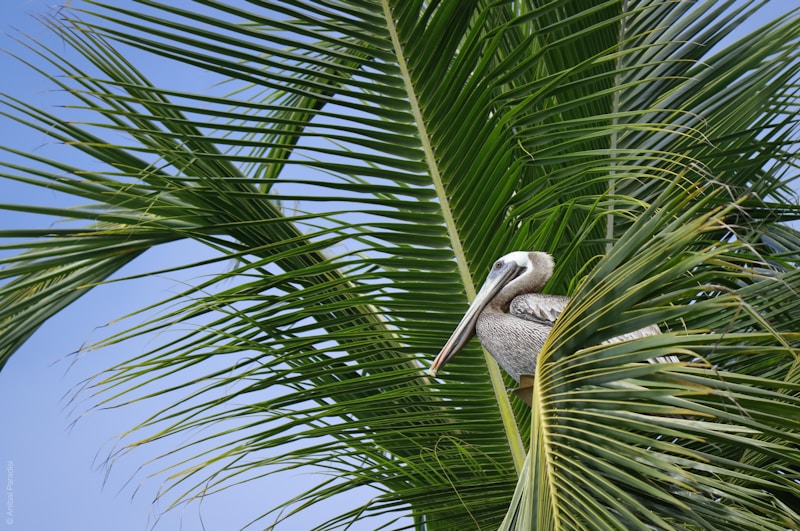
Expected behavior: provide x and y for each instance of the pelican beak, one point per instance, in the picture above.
(466, 328)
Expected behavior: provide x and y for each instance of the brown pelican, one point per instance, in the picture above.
(511, 318)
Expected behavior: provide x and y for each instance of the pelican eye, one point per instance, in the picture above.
(498, 264)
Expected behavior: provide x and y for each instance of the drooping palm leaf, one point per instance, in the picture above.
(369, 162)
(709, 443)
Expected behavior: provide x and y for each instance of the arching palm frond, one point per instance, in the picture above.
(361, 165)
(709, 442)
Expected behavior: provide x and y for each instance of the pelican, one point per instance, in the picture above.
(512, 319)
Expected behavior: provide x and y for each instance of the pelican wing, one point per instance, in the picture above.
(538, 307)
(546, 309)
(652, 330)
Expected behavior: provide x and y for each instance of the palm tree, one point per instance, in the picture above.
(360, 170)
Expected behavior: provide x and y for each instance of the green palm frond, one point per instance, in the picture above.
(363, 163)
(706, 443)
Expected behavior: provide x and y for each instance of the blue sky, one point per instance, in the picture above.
(57, 452)
(59, 477)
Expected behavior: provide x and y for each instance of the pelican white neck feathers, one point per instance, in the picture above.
(511, 318)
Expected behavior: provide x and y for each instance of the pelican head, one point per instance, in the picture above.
(511, 275)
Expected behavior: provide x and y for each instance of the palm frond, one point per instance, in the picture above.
(705, 443)
(359, 167)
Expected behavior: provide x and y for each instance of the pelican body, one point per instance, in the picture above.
(511, 318)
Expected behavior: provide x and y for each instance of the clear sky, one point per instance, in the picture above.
(58, 466)
(55, 469)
